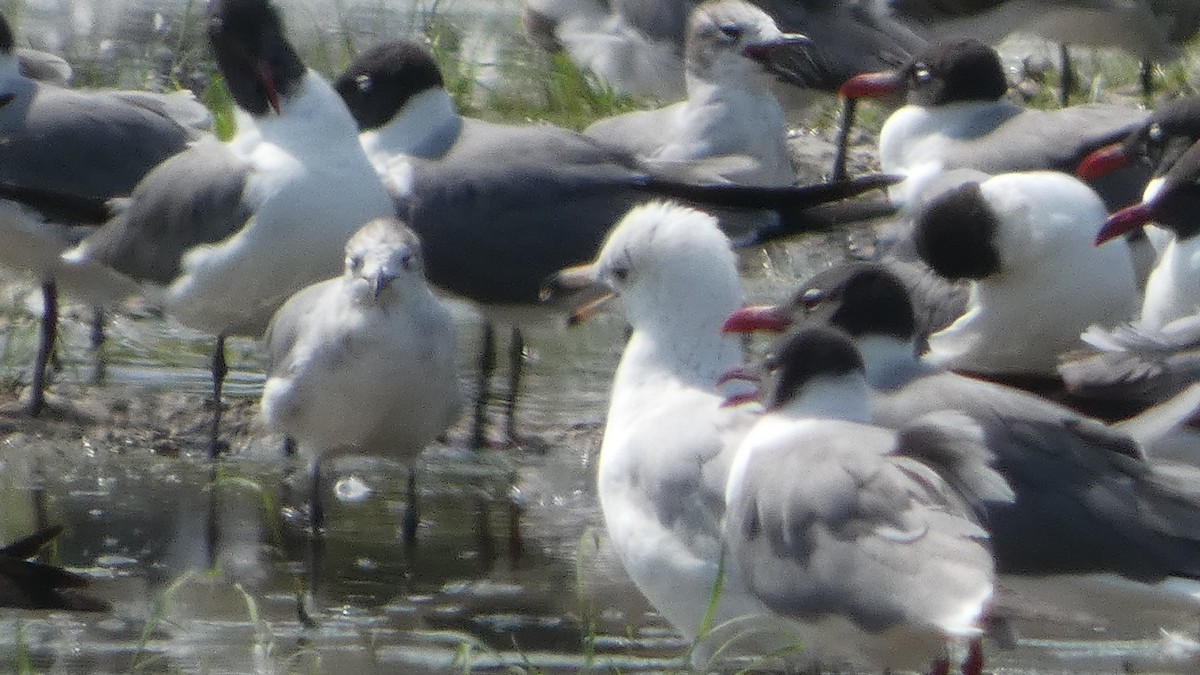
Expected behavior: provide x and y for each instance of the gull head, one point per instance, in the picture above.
(383, 259)
(260, 66)
(731, 40)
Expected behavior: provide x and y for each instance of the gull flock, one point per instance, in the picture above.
(978, 409)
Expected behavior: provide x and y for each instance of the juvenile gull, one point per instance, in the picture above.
(730, 111)
(65, 153)
(364, 362)
(866, 537)
(232, 230)
(500, 207)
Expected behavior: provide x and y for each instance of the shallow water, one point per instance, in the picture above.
(510, 571)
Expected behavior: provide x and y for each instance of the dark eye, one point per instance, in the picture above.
(732, 31)
(363, 82)
(811, 298)
(354, 263)
(620, 273)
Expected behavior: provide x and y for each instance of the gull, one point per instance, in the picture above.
(730, 110)
(866, 537)
(65, 153)
(668, 442)
(1152, 30)
(501, 207)
(232, 230)
(1158, 354)
(364, 362)
(632, 46)
(1087, 499)
(1022, 240)
(957, 117)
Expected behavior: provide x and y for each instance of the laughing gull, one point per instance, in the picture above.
(1086, 499)
(364, 362)
(866, 537)
(1022, 241)
(65, 154)
(232, 230)
(957, 117)
(501, 207)
(730, 111)
(25, 584)
(1159, 353)
(1152, 30)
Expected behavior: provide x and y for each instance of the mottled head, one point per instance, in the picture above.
(382, 259)
(260, 66)
(380, 81)
(729, 40)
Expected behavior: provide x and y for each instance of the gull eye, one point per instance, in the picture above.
(1155, 133)
(732, 31)
(354, 263)
(811, 298)
(620, 274)
(364, 83)
(921, 73)
(407, 261)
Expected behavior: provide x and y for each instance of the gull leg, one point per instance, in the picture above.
(99, 363)
(1066, 83)
(487, 364)
(49, 333)
(219, 370)
(411, 515)
(516, 364)
(843, 140)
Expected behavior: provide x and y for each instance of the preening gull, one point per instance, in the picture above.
(364, 362)
(232, 230)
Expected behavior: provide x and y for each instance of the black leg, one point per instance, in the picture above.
(516, 365)
(49, 328)
(412, 516)
(1066, 84)
(316, 546)
(289, 447)
(843, 140)
(211, 531)
(1147, 78)
(316, 510)
(219, 370)
(99, 365)
(487, 364)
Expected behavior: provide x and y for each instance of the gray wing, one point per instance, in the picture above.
(288, 322)
(85, 145)
(1086, 500)
(849, 38)
(1057, 140)
(664, 20)
(509, 206)
(193, 198)
(856, 531)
